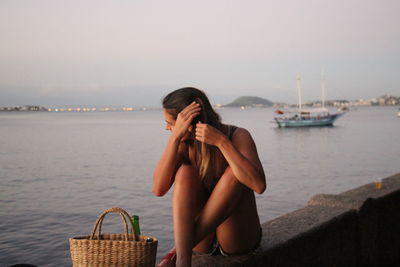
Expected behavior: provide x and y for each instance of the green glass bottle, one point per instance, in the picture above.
(136, 226)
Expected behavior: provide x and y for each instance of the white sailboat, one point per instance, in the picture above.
(307, 117)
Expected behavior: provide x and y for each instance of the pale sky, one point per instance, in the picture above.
(104, 52)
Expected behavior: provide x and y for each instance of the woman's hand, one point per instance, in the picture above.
(207, 134)
(184, 120)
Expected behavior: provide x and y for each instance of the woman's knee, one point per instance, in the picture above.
(188, 187)
(186, 175)
(228, 179)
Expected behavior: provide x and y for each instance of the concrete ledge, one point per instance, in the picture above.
(379, 218)
(355, 198)
(299, 238)
(356, 227)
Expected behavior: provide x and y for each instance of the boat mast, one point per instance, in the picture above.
(298, 81)
(323, 88)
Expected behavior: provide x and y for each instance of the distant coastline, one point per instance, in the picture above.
(240, 102)
(386, 100)
(31, 108)
(254, 101)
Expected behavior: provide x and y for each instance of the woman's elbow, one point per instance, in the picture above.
(158, 192)
(157, 188)
(262, 186)
(261, 189)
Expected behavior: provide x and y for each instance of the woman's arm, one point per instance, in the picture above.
(240, 153)
(171, 159)
(163, 177)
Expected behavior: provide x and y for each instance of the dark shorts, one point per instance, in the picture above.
(217, 249)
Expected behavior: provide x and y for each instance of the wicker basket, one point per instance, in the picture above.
(113, 249)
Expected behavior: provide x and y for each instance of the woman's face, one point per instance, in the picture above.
(170, 123)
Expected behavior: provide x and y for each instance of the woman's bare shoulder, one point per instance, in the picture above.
(233, 131)
(241, 133)
(242, 139)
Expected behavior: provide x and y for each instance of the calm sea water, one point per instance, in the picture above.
(59, 171)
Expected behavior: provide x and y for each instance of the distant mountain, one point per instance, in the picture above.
(250, 101)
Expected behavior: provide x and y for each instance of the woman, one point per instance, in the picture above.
(215, 170)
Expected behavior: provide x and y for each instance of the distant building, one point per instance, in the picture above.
(380, 101)
(24, 108)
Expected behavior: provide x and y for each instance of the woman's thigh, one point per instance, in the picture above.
(240, 232)
(187, 181)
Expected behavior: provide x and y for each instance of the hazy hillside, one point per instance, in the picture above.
(250, 101)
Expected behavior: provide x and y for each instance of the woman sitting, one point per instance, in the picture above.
(215, 170)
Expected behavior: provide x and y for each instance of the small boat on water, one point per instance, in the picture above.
(344, 108)
(306, 117)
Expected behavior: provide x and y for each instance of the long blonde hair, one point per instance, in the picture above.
(206, 154)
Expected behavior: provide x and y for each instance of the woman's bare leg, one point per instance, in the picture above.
(188, 198)
(231, 210)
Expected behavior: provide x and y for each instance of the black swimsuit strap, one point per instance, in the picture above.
(232, 129)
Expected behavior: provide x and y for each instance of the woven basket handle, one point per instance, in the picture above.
(124, 216)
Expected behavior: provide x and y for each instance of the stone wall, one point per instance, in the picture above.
(354, 228)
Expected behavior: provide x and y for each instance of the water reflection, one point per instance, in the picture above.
(60, 170)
